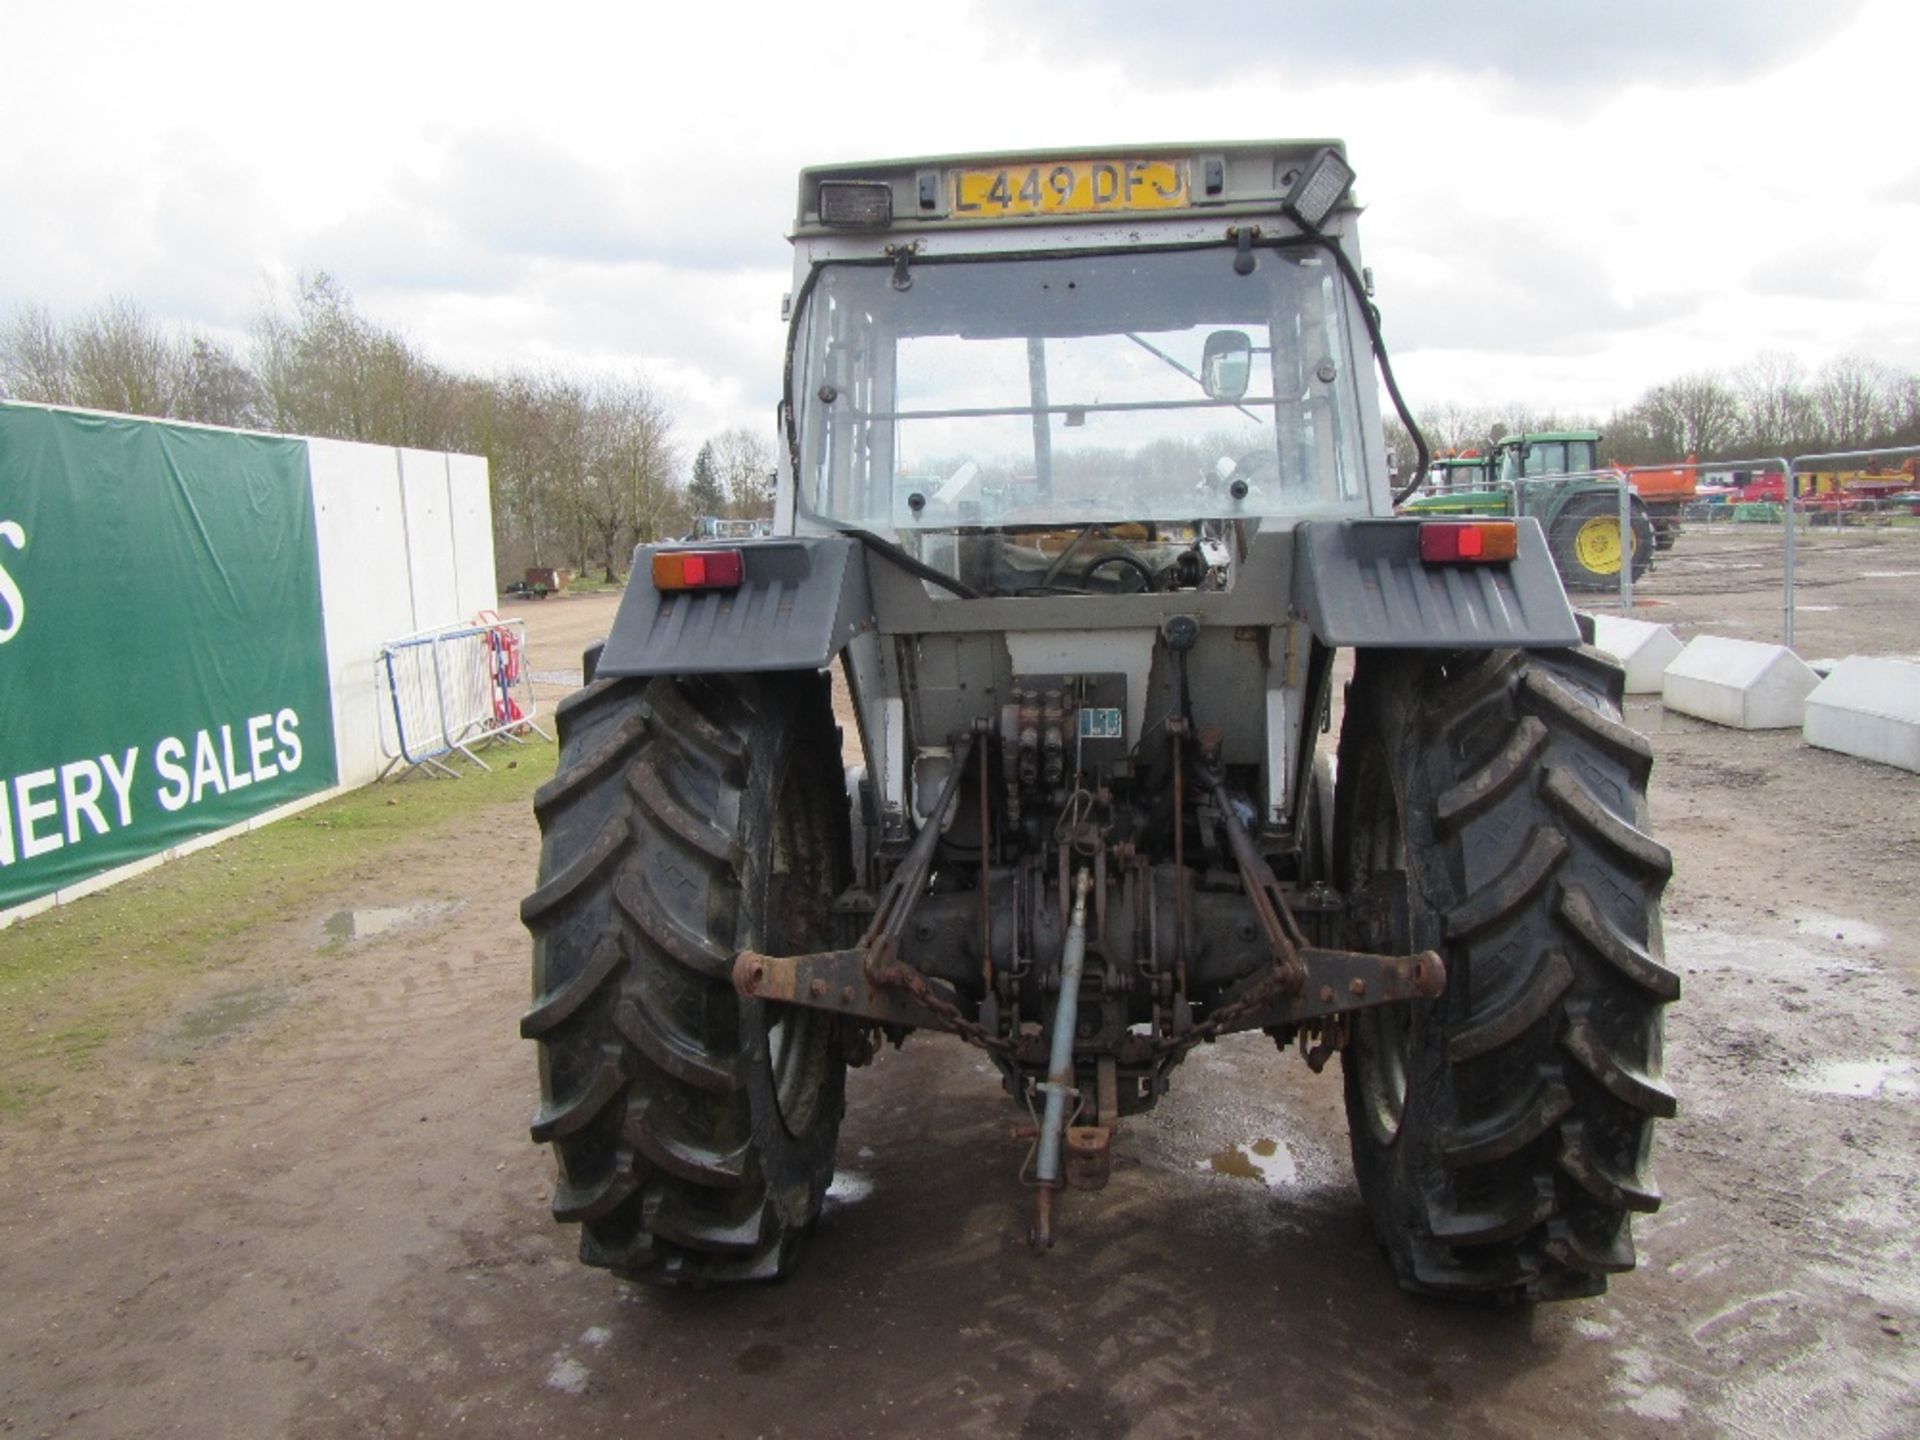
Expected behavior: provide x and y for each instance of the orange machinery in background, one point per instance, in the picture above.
(1665, 491)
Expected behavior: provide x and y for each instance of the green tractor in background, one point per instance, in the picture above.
(1554, 476)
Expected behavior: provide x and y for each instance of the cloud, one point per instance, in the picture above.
(710, 342)
(1572, 196)
(531, 197)
(1535, 45)
(401, 243)
(1903, 191)
(1496, 283)
(1836, 267)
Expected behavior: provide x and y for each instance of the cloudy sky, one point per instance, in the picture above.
(1567, 202)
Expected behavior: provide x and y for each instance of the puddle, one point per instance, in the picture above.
(1658, 1402)
(849, 1187)
(344, 926)
(1643, 1389)
(1888, 1079)
(219, 1019)
(1265, 1160)
(1757, 954)
(1847, 932)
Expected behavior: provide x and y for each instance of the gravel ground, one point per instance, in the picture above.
(318, 1214)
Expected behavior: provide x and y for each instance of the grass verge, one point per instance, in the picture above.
(75, 978)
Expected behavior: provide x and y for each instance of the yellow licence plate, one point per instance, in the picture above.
(1069, 187)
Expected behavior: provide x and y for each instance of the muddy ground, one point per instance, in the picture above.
(303, 1203)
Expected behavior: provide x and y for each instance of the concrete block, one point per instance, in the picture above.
(1645, 649)
(1870, 707)
(1742, 683)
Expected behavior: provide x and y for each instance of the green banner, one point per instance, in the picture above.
(163, 667)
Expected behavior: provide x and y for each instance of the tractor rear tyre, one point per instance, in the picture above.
(1493, 807)
(688, 819)
(1585, 541)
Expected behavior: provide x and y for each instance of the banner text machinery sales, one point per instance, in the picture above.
(43, 810)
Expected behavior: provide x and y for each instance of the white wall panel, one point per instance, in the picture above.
(365, 591)
(429, 513)
(472, 528)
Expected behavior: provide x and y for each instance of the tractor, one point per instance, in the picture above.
(1553, 477)
(1083, 512)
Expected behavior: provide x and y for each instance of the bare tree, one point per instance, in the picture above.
(579, 470)
(507, 421)
(212, 386)
(632, 494)
(1777, 410)
(1851, 402)
(122, 361)
(1697, 414)
(36, 362)
(743, 465)
(603, 462)
(1706, 411)
(327, 370)
(1451, 428)
(1904, 412)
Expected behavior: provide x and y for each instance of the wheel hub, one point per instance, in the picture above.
(1596, 544)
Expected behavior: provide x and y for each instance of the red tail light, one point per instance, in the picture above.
(1471, 542)
(697, 570)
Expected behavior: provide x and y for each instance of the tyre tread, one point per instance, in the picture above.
(1489, 785)
(1544, 1056)
(660, 1156)
(1532, 1114)
(1526, 1009)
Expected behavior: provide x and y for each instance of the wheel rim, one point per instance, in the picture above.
(796, 1052)
(799, 897)
(1596, 545)
(1382, 1036)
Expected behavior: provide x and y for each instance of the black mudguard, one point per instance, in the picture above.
(800, 601)
(1362, 583)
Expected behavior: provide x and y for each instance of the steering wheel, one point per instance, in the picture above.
(1120, 557)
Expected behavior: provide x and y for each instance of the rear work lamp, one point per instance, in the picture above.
(857, 204)
(1322, 184)
(1469, 542)
(697, 570)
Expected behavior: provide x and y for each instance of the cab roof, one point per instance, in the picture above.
(1042, 187)
(1532, 437)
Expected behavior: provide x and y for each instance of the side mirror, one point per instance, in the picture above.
(1226, 364)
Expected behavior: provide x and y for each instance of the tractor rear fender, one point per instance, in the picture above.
(800, 600)
(1362, 583)
(1355, 582)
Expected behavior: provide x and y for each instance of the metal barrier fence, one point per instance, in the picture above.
(1685, 572)
(448, 690)
(1795, 511)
